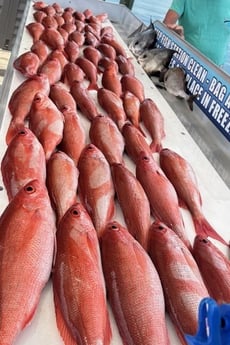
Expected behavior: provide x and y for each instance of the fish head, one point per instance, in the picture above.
(142, 41)
(155, 59)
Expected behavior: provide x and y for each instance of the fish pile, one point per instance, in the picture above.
(156, 62)
(76, 119)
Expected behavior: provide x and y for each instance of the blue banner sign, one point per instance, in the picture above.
(204, 79)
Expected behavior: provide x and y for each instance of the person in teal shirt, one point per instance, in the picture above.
(203, 23)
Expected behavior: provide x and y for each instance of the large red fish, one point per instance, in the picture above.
(78, 282)
(96, 188)
(134, 288)
(181, 174)
(74, 137)
(153, 121)
(47, 123)
(23, 161)
(181, 279)
(106, 136)
(113, 106)
(161, 194)
(62, 182)
(27, 237)
(133, 202)
(214, 267)
(21, 100)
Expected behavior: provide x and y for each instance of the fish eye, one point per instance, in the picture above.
(137, 42)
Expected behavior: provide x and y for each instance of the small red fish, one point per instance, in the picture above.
(137, 210)
(74, 138)
(46, 122)
(49, 22)
(107, 50)
(41, 50)
(134, 288)
(27, 63)
(52, 69)
(113, 106)
(36, 30)
(62, 97)
(125, 65)
(62, 182)
(53, 38)
(90, 71)
(181, 174)
(72, 50)
(214, 267)
(77, 37)
(131, 105)
(111, 81)
(96, 188)
(135, 142)
(71, 73)
(106, 136)
(153, 121)
(78, 282)
(162, 195)
(133, 85)
(180, 277)
(115, 44)
(84, 100)
(23, 161)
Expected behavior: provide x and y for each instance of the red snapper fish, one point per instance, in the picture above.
(153, 121)
(133, 201)
(53, 69)
(182, 176)
(21, 100)
(113, 106)
(106, 136)
(46, 122)
(134, 288)
(60, 95)
(180, 277)
(110, 80)
(214, 267)
(96, 188)
(41, 50)
(74, 137)
(27, 237)
(62, 182)
(78, 282)
(134, 85)
(161, 194)
(90, 71)
(23, 161)
(27, 64)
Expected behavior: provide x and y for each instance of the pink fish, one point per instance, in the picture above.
(36, 30)
(90, 71)
(60, 55)
(214, 267)
(52, 38)
(23, 161)
(21, 100)
(27, 240)
(72, 50)
(92, 54)
(47, 123)
(62, 97)
(115, 44)
(133, 85)
(182, 176)
(133, 202)
(71, 73)
(131, 106)
(161, 194)
(125, 65)
(49, 22)
(96, 188)
(78, 282)
(41, 50)
(84, 100)
(134, 288)
(153, 121)
(113, 106)
(106, 136)
(107, 50)
(62, 182)
(77, 37)
(74, 137)
(181, 279)
(53, 69)
(27, 64)
(110, 80)
(135, 142)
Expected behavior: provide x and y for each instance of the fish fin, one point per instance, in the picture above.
(93, 86)
(13, 129)
(61, 324)
(139, 29)
(204, 229)
(190, 101)
(155, 147)
(182, 204)
(140, 129)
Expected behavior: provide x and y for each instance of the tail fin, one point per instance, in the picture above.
(204, 229)
(190, 101)
(155, 146)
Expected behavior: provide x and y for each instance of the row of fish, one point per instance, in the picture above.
(65, 194)
(156, 61)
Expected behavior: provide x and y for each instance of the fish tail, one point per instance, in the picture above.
(204, 229)
(141, 130)
(155, 147)
(93, 86)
